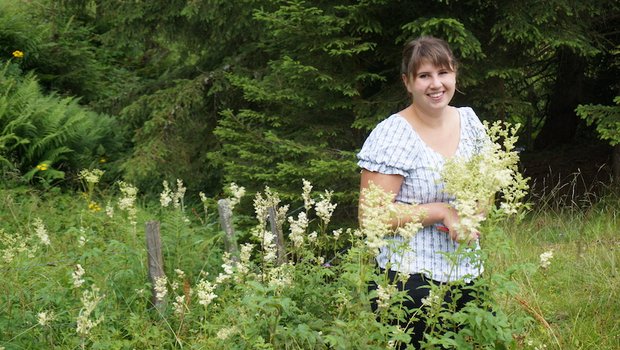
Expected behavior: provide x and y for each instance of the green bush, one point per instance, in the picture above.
(44, 137)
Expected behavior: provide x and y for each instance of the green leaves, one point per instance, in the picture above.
(43, 136)
(606, 118)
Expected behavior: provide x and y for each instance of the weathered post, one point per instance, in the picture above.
(230, 242)
(277, 232)
(155, 260)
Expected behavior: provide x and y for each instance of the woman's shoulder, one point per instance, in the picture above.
(393, 121)
(467, 112)
(469, 116)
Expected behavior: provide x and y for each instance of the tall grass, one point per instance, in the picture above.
(572, 303)
(575, 301)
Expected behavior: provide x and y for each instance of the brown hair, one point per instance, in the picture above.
(427, 48)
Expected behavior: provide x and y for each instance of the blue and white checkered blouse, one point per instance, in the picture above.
(393, 147)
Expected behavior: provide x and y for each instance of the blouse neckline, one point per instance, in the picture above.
(458, 146)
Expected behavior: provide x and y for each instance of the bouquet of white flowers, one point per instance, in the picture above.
(476, 181)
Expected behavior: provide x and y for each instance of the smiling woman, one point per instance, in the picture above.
(404, 156)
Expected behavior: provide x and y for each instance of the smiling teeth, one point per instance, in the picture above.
(437, 94)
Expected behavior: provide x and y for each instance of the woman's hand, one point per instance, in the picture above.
(451, 222)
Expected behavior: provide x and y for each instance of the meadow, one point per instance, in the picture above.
(74, 272)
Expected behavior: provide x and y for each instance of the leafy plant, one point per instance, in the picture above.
(45, 136)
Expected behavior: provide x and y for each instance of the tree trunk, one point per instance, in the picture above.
(562, 121)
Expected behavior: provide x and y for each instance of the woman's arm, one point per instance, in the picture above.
(430, 213)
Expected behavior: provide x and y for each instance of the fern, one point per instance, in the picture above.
(46, 129)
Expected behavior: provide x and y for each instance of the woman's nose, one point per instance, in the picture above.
(435, 81)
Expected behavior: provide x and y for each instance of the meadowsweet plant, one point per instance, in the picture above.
(325, 208)
(377, 212)
(236, 193)
(109, 210)
(384, 295)
(90, 178)
(161, 288)
(205, 292)
(13, 245)
(475, 182)
(260, 232)
(78, 276)
(41, 232)
(298, 229)
(85, 320)
(165, 197)
(205, 204)
(545, 259)
(306, 194)
(176, 198)
(179, 195)
(227, 332)
(127, 202)
(44, 318)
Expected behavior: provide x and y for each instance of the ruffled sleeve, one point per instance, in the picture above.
(390, 148)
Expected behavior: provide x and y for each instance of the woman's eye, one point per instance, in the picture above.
(423, 76)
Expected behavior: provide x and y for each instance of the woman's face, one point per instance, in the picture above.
(431, 87)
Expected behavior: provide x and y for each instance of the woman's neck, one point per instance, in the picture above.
(431, 119)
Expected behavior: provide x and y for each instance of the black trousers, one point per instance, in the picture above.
(417, 287)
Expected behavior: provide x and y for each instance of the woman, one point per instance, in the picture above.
(404, 155)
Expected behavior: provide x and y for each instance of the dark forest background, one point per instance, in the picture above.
(264, 92)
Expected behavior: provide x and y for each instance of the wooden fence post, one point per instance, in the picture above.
(230, 242)
(277, 232)
(155, 260)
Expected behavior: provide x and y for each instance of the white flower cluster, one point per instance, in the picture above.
(475, 182)
(226, 332)
(377, 212)
(44, 318)
(298, 229)
(91, 176)
(384, 294)
(545, 259)
(433, 299)
(205, 203)
(266, 237)
(90, 299)
(161, 287)
(205, 292)
(109, 210)
(167, 196)
(237, 192)
(180, 303)
(243, 266)
(179, 306)
(324, 208)
(228, 265)
(77, 276)
(306, 190)
(14, 244)
(281, 276)
(179, 195)
(39, 229)
(128, 201)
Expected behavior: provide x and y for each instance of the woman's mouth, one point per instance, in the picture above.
(436, 95)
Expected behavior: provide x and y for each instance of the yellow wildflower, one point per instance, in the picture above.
(102, 160)
(43, 166)
(94, 207)
(18, 54)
